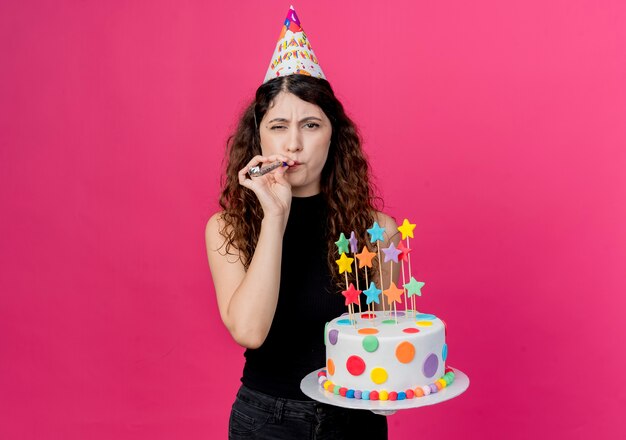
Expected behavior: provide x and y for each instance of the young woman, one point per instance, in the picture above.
(272, 254)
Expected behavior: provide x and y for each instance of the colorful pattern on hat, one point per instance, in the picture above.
(293, 53)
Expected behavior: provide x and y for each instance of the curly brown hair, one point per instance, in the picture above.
(345, 181)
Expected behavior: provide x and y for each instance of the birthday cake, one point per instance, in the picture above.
(387, 354)
(376, 357)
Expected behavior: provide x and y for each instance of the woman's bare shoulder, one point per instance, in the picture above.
(387, 222)
(216, 234)
(214, 231)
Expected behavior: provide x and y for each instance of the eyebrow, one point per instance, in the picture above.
(308, 118)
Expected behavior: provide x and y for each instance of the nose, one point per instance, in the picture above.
(294, 143)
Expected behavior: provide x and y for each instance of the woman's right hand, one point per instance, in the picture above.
(272, 189)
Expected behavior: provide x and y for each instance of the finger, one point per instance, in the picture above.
(258, 158)
(242, 175)
(247, 182)
(279, 176)
(253, 162)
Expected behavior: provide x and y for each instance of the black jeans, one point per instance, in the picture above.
(255, 415)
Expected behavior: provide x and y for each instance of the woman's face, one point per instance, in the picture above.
(301, 131)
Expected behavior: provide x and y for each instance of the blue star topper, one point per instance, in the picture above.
(372, 294)
(376, 233)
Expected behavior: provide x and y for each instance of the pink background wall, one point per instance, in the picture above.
(498, 127)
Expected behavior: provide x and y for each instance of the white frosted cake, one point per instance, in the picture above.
(378, 356)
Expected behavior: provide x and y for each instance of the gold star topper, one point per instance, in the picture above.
(406, 229)
(344, 263)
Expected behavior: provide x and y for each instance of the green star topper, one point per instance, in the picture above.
(414, 287)
(342, 244)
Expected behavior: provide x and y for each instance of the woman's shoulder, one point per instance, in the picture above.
(215, 221)
(386, 222)
(213, 230)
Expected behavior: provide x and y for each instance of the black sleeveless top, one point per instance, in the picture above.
(307, 300)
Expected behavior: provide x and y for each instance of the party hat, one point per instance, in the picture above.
(293, 53)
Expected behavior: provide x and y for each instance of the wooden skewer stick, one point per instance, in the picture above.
(403, 282)
(380, 276)
(410, 275)
(350, 304)
(395, 312)
(356, 271)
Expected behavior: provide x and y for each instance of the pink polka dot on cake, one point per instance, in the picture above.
(411, 330)
(355, 365)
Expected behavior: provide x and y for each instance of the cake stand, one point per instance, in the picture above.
(311, 387)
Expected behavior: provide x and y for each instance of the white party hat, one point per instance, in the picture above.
(293, 53)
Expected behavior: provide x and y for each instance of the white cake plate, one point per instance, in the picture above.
(311, 387)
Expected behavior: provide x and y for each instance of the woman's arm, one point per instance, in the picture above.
(247, 298)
